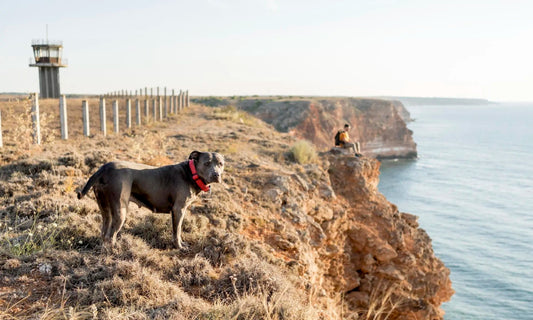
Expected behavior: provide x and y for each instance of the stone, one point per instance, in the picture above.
(45, 268)
(11, 264)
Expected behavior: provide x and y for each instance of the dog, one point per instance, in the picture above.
(168, 189)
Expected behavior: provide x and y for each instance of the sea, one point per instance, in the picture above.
(472, 189)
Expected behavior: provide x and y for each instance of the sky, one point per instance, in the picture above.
(461, 49)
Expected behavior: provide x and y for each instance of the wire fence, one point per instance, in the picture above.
(134, 107)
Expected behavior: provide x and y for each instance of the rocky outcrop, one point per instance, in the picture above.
(379, 125)
(383, 249)
(342, 236)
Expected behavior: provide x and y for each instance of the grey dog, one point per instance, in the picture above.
(165, 189)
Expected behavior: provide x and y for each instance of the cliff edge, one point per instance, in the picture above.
(379, 125)
(342, 236)
(387, 250)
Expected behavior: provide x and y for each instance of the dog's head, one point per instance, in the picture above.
(209, 165)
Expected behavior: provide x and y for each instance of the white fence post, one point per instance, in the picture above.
(154, 113)
(115, 116)
(103, 127)
(146, 111)
(179, 101)
(128, 113)
(187, 99)
(35, 119)
(85, 110)
(177, 105)
(160, 108)
(63, 117)
(173, 102)
(165, 105)
(138, 111)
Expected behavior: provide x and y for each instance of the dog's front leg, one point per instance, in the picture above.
(178, 214)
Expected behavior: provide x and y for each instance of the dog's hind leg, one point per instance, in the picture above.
(105, 210)
(118, 196)
(119, 212)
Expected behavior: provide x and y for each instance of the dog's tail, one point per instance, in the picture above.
(92, 180)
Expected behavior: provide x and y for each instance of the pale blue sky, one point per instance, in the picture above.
(480, 49)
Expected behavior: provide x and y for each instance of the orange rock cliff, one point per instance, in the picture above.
(343, 237)
(379, 125)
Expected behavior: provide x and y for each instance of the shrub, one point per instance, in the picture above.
(303, 152)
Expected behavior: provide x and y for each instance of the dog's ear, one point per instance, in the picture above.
(195, 155)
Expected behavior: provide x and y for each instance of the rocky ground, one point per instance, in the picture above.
(277, 239)
(380, 126)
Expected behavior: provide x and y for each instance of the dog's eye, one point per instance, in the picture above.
(208, 163)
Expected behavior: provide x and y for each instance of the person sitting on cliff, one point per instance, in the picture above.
(342, 139)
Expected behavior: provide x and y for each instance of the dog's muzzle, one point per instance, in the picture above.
(216, 177)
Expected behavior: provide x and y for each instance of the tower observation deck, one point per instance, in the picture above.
(47, 56)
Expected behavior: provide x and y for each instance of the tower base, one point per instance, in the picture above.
(49, 82)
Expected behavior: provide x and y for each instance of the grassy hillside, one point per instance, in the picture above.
(53, 264)
(273, 241)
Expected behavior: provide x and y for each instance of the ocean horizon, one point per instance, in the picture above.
(472, 188)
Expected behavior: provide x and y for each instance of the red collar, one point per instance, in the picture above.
(196, 177)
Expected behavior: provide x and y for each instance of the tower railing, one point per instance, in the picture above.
(46, 42)
(59, 61)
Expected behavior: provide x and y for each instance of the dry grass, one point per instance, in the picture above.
(303, 152)
(231, 113)
(58, 268)
(383, 303)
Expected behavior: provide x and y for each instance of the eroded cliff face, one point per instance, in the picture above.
(343, 237)
(379, 125)
(384, 245)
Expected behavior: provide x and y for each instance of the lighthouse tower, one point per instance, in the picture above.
(47, 55)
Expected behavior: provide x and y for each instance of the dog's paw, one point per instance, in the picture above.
(185, 246)
(182, 245)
